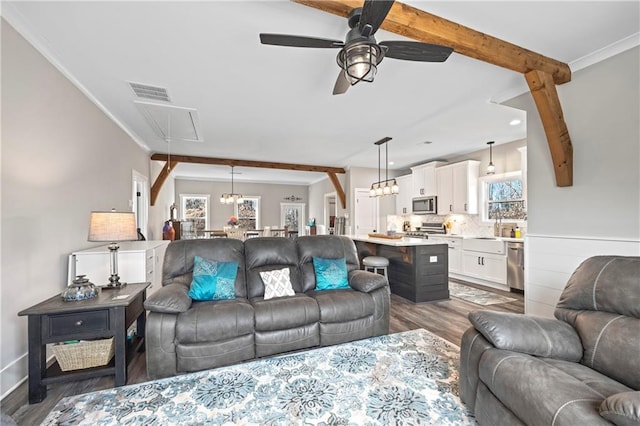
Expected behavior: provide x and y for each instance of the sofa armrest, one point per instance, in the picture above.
(622, 409)
(527, 334)
(170, 299)
(366, 281)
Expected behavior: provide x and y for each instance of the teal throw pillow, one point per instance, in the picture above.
(331, 274)
(213, 280)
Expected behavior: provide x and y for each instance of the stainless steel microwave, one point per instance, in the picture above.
(424, 205)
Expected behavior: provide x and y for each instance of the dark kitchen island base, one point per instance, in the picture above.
(419, 273)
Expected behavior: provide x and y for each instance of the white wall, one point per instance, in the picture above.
(316, 198)
(600, 213)
(271, 197)
(159, 213)
(362, 177)
(61, 158)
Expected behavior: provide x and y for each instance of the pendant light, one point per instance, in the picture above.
(491, 169)
(390, 186)
(230, 198)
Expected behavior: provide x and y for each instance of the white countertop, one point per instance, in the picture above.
(400, 242)
(507, 239)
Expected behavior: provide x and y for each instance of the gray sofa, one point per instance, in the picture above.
(184, 335)
(582, 368)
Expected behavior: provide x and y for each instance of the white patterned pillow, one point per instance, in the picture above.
(277, 283)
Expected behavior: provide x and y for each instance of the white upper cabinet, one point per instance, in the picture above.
(424, 179)
(403, 199)
(457, 188)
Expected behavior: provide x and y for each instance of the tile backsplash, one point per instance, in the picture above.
(460, 223)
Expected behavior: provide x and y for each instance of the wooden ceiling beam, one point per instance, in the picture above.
(247, 163)
(426, 27)
(338, 187)
(546, 98)
(162, 177)
(175, 159)
(542, 73)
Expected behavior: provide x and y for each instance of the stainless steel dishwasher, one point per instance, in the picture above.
(515, 265)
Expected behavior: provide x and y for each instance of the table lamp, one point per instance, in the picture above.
(112, 227)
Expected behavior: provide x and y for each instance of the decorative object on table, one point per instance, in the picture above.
(231, 197)
(410, 376)
(168, 231)
(112, 227)
(233, 221)
(83, 354)
(491, 169)
(80, 289)
(377, 188)
(172, 212)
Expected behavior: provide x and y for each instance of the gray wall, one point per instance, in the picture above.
(61, 158)
(317, 191)
(601, 109)
(271, 197)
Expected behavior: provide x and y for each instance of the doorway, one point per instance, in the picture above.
(330, 212)
(140, 200)
(366, 213)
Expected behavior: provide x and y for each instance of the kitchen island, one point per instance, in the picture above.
(418, 268)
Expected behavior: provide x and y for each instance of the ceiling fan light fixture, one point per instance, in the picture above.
(360, 62)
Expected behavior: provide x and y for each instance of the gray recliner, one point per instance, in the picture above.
(582, 368)
(184, 335)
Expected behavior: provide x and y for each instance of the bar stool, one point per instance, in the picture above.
(376, 264)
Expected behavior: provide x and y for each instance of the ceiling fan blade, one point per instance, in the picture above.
(342, 84)
(299, 41)
(416, 51)
(373, 13)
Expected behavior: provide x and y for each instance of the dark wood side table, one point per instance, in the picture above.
(108, 315)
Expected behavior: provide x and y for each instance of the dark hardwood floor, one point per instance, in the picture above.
(447, 319)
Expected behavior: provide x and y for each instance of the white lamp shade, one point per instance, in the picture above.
(112, 226)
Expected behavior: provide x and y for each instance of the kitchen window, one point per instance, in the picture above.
(503, 197)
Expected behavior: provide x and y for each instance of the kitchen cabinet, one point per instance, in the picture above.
(457, 188)
(138, 261)
(403, 199)
(455, 252)
(424, 179)
(486, 266)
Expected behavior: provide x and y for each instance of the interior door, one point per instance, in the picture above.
(366, 218)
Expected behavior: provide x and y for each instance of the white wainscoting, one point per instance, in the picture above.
(550, 261)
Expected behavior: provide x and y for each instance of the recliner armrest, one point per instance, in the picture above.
(366, 281)
(622, 409)
(170, 299)
(532, 335)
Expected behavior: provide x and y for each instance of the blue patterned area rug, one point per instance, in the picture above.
(404, 378)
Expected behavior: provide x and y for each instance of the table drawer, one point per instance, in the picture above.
(78, 322)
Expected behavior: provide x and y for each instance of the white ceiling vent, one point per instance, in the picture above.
(149, 92)
(171, 122)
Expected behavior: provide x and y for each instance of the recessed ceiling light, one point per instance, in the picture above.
(425, 143)
(391, 163)
(515, 122)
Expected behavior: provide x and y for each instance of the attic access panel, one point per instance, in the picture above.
(171, 122)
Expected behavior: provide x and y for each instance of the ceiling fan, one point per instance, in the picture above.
(360, 54)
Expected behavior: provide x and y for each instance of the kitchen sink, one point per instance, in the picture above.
(484, 244)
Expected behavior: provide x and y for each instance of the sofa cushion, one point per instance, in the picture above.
(213, 321)
(544, 392)
(170, 299)
(284, 313)
(213, 280)
(277, 283)
(331, 274)
(622, 409)
(180, 255)
(325, 246)
(267, 254)
(342, 305)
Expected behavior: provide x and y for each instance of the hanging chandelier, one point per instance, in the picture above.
(491, 169)
(230, 198)
(387, 186)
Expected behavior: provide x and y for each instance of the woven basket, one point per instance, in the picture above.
(92, 353)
